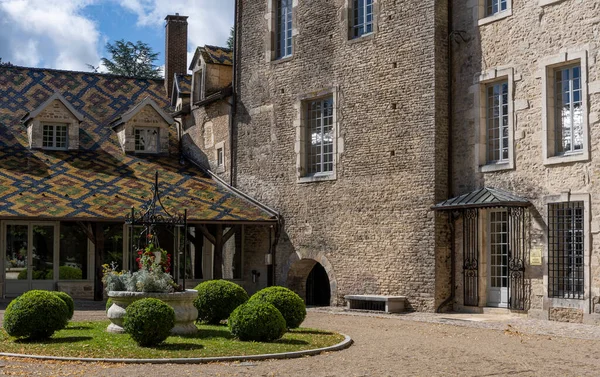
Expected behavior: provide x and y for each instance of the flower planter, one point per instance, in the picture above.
(182, 302)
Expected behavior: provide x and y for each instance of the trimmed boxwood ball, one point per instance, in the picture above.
(69, 301)
(257, 321)
(290, 305)
(217, 299)
(149, 321)
(35, 315)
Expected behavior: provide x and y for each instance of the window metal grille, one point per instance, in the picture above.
(54, 136)
(495, 6)
(146, 140)
(320, 136)
(569, 110)
(497, 122)
(362, 20)
(284, 28)
(566, 250)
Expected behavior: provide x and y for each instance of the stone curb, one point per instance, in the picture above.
(347, 342)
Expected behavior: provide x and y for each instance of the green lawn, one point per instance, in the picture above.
(89, 339)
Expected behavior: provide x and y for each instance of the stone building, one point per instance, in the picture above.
(526, 103)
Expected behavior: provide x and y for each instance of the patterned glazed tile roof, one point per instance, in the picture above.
(184, 83)
(98, 181)
(212, 55)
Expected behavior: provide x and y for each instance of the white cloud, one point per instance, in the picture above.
(48, 33)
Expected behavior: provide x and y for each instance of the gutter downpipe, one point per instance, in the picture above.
(233, 107)
(449, 178)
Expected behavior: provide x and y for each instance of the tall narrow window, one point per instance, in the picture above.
(146, 140)
(220, 158)
(497, 122)
(54, 136)
(362, 17)
(566, 250)
(568, 110)
(495, 6)
(284, 28)
(320, 136)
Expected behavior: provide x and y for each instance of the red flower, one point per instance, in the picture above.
(140, 252)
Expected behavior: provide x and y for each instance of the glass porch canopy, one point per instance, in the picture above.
(482, 198)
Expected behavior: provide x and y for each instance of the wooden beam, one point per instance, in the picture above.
(99, 259)
(207, 234)
(218, 262)
(87, 229)
(229, 233)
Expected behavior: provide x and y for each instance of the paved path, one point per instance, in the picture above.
(413, 344)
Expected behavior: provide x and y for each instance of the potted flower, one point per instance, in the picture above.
(153, 280)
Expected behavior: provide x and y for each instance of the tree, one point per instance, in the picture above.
(230, 39)
(131, 59)
(5, 64)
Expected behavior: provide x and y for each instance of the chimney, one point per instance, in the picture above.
(175, 49)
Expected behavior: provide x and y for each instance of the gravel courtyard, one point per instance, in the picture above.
(402, 345)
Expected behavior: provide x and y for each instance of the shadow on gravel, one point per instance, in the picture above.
(68, 339)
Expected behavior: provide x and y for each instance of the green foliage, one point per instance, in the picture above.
(258, 321)
(290, 305)
(35, 315)
(217, 299)
(129, 59)
(64, 273)
(68, 301)
(35, 274)
(109, 303)
(149, 321)
(230, 39)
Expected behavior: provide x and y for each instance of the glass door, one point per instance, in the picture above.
(30, 253)
(498, 259)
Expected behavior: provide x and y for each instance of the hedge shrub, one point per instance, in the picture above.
(64, 273)
(257, 321)
(290, 305)
(35, 315)
(149, 321)
(69, 301)
(217, 299)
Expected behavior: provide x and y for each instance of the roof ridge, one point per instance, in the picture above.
(111, 75)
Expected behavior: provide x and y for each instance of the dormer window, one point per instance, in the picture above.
(54, 136)
(146, 139)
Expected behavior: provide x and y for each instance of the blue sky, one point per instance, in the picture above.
(68, 34)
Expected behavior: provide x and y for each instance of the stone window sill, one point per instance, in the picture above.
(495, 17)
(282, 60)
(362, 38)
(493, 167)
(543, 3)
(317, 178)
(579, 157)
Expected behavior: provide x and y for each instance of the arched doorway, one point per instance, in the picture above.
(318, 290)
(312, 281)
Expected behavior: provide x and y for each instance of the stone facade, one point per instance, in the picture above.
(55, 113)
(146, 117)
(370, 226)
(524, 45)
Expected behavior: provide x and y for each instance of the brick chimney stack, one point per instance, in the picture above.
(175, 49)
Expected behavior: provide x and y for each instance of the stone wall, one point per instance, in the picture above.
(372, 226)
(54, 113)
(521, 42)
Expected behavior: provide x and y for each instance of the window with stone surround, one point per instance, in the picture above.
(361, 18)
(493, 10)
(566, 250)
(284, 28)
(146, 139)
(494, 94)
(318, 140)
(565, 117)
(55, 136)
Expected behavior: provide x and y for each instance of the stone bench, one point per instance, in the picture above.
(388, 304)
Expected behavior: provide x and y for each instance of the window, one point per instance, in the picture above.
(495, 6)
(497, 122)
(220, 157)
(73, 254)
(320, 136)
(568, 121)
(566, 250)
(54, 136)
(146, 140)
(362, 17)
(284, 28)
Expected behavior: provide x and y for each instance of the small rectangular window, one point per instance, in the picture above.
(497, 122)
(568, 110)
(284, 28)
(495, 6)
(146, 140)
(320, 136)
(566, 250)
(220, 157)
(362, 17)
(54, 136)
